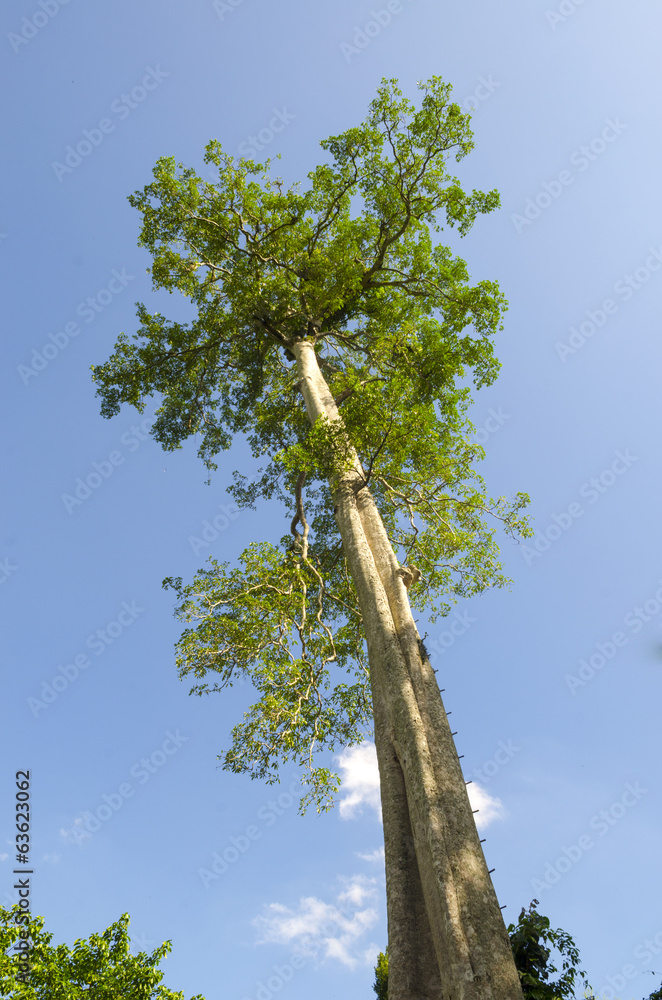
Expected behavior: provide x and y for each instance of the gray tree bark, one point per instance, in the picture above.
(447, 938)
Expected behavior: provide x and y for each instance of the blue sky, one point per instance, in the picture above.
(555, 686)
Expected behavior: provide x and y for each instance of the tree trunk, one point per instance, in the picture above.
(447, 937)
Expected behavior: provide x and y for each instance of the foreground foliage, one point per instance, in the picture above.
(100, 967)
(534, 942)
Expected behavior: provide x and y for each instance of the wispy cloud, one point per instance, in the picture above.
(373, 856)
(326, 930)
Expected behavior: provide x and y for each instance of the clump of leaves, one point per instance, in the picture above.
(534, 945)
(101, 967)
(380, 985)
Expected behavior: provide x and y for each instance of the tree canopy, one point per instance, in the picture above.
(351, 266)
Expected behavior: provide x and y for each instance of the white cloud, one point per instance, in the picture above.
(489, 808)
(360, 784)
(360, 780)
(373, 856)
(359, 890)
(326, 930)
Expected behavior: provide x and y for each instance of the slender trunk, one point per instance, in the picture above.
(446, 932)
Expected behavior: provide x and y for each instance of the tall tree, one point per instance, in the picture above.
(335, 333)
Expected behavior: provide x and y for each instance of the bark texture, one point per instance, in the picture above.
(447, 938)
